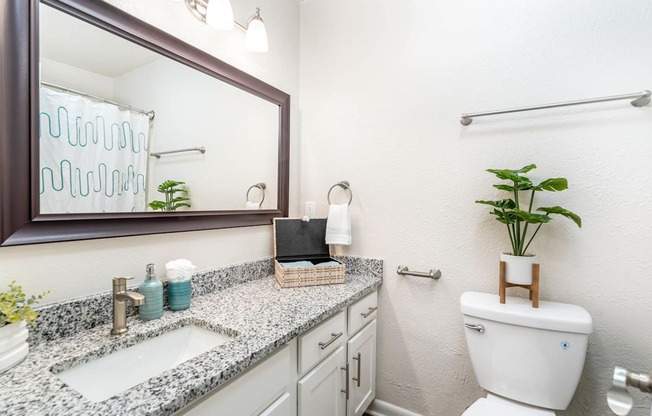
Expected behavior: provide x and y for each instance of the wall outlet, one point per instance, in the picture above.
(310, 209)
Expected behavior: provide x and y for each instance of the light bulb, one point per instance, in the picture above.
(219, 14)
(256, 38)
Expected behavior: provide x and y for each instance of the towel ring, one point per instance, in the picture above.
(344, 185)
(262, 187)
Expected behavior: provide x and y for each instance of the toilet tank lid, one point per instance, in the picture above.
(552, 316)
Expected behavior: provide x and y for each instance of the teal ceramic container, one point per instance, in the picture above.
(179, 295)
(152, 289)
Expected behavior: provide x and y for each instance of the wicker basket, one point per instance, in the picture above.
(296, 240)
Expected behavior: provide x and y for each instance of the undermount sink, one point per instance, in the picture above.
(107, 376)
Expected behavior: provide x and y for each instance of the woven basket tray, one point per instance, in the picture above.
(309, 276)
(296, 240)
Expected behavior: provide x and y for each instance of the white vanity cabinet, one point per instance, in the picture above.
(327, 371)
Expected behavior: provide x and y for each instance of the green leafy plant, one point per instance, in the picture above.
(508, 211)
(16, 306)
(171, 203)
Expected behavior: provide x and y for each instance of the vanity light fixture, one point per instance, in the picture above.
(219, 15)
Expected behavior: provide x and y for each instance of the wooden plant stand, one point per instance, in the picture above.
(533, 288)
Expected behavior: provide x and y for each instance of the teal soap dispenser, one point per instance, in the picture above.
(152, 289)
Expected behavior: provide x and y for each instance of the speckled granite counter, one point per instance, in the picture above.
(262, 316)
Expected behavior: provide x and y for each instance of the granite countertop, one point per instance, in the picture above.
(262, 316)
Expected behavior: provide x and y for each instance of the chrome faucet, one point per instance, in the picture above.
(120, 297)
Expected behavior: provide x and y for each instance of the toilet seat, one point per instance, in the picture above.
(498, 406)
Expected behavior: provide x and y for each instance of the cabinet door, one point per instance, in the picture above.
(362, 369)
(320, 391)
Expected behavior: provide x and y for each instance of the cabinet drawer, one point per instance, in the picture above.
(319, 342)
(280, 407)
(362, 312)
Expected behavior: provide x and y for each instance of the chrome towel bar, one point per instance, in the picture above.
(641, 99)
(432, 274)
(158, 155)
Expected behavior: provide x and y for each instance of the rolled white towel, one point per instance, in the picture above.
(179, 269)
(338, 225)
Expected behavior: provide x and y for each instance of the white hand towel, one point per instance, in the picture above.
(252, 205)
(338, 225)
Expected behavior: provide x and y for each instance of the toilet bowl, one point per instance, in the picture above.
(529, 360)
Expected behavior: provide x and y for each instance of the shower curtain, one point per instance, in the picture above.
(93, 156)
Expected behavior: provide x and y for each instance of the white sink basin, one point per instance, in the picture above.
(105, 377)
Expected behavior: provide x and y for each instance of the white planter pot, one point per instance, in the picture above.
(13, 345)
(518, 269)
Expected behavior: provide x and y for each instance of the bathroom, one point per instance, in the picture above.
(377, 90)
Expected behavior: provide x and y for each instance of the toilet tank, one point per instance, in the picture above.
(531, 355)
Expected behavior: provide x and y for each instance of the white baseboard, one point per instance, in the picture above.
(381, 408)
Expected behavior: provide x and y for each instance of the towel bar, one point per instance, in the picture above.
(432, 274)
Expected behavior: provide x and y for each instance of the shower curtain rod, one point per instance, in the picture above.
(149, 114)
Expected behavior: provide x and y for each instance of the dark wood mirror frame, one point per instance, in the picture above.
(20, 220)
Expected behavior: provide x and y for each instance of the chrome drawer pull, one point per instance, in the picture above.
(371, 310)
(346, 389)
(478, 328)
(359, 360)
(324, 345)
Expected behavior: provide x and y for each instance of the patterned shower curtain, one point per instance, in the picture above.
(93, 156)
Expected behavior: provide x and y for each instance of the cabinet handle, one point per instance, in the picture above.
(346, 389)
(371, 310)
(359, 360)
(324, 345)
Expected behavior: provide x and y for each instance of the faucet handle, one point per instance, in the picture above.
(121, 280)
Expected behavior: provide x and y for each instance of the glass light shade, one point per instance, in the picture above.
(256, 39)
(219, 14)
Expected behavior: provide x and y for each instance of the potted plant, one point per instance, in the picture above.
(15, 314)
(523, 224)
(171, 203)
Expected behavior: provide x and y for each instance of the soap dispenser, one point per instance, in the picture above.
(152, 289)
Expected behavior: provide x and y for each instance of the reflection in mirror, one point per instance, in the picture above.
(117, 121)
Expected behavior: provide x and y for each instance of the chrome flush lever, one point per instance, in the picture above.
(478, 328)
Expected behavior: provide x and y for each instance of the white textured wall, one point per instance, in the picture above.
(81, 268)
(383, 84)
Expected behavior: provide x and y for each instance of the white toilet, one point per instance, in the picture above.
(528, 359)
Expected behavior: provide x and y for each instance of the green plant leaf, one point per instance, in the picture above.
(166, 185)
(564, 212)
(512, 175)
(531, 218)
(503, 203)
(156, 205)
(552, 185)
(504, 187)
(505, 217)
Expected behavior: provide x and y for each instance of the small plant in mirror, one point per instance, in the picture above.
(169, 188)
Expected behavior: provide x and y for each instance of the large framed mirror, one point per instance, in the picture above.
(111, 127)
